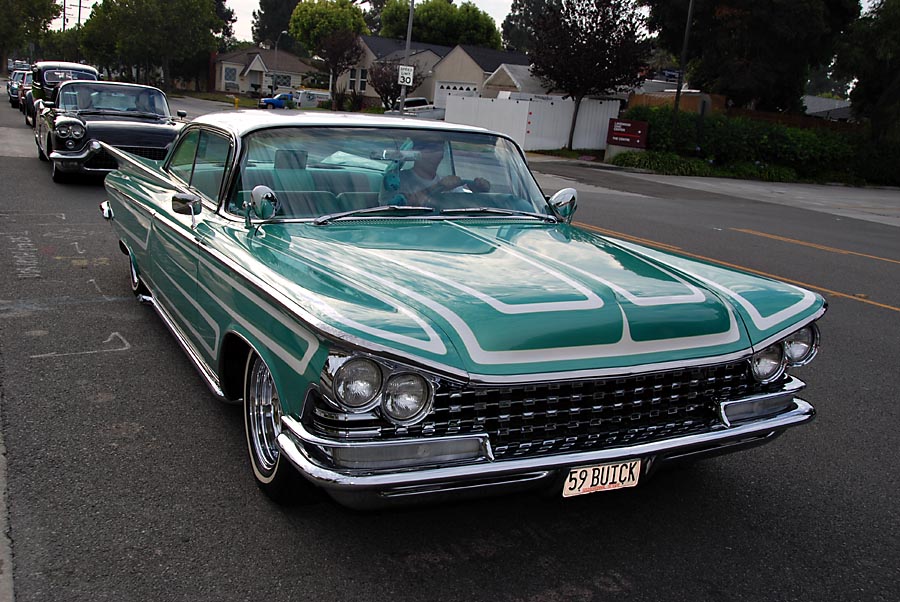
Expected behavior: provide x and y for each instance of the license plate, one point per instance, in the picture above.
(602, 477)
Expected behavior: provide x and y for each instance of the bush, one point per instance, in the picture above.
(663, 163)
(771, 151)
(355, 100)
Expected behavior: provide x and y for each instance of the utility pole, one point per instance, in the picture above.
(406, 56)
(684, 50)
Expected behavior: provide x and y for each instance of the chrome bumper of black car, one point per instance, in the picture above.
(75, 161)
(349, 471)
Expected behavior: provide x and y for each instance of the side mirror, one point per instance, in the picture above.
(263, 203)
(187, 204)
(49, 104)
(564, 204)
(182, 114)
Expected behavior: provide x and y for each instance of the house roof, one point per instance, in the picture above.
(489, 59)
(818, 104)
(520, 76)
(286, 61)
(382, 47)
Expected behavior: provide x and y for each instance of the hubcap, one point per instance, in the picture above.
(264, 413)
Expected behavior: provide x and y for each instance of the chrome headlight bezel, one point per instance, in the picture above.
(77, 131)
(342, 377)
(63, 130)
(774, 355)
(390, 371)
(423, 405)
(812, 350)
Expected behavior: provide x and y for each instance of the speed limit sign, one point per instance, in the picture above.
(405, 75)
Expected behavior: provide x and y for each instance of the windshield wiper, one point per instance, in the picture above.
(499, 211)
(325, 219)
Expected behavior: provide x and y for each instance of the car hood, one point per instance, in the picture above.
(502, 298)
(122, 130)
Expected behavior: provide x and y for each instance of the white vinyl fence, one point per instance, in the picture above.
(537, 124)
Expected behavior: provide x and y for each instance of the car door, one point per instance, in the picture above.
(199, 164)
(173, 244)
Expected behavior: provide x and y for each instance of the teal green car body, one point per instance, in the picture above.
(472, 301)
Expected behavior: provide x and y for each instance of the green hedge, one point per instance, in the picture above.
(774, 151)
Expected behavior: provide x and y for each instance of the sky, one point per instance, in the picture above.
(243, 10)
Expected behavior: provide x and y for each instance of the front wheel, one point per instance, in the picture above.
(262, 425)
(55, 174)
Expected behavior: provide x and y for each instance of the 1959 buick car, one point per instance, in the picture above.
(404, 315)
(69, 129)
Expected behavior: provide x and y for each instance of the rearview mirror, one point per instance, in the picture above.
(187, 204)
(182, 114)
(263, 203)
(564, 204)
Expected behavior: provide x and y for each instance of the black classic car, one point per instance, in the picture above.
(131, 117)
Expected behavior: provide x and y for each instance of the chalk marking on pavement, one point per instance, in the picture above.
(738, 267)
(125, 347)
(814, 245)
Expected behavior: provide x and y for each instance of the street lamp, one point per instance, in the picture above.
(275, 70)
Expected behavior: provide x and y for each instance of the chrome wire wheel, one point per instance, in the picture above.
(275, 475)
(263, 418)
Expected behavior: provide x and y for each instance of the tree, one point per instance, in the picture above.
(517, 26)
(589, 47)
(383, 78)
(440, 22)
(754, 52)
(822, 82)
(98, 46)
(22, 21)
(871, 54)
(331, 29)
(273, 17)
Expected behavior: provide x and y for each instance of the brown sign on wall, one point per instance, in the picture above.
(623, 132)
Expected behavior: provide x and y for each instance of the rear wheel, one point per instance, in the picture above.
(262, 425)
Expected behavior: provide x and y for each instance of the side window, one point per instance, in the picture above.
(182, 163)
(212, 158)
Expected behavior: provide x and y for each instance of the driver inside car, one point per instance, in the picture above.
(422, 180)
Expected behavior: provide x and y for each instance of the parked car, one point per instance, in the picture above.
(474, 341)
(279, 101)
(12, 87)
(418, 107)
(26, 101)
(307, 99)
(134, 118)
(48, 75)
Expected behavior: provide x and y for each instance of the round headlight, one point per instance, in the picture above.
(77, 131)
(801, 346)
(406, 397)
(357, 383)
(768, 364)
(63, 131)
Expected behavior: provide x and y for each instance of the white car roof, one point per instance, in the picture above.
(245, 121)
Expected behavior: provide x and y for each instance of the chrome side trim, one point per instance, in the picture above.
(295, 437)
(91, 148)
(209, 377)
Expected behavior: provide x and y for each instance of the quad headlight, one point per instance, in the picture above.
(801, 346)
(64, 130)
(767, 365)
(362, 384)
(406, 397)
(77, 131)
(796, 349)
(357, 383)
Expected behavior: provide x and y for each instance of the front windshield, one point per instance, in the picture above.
(98, 96)
(318, 171)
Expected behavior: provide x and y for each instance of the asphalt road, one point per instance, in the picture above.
(127, 481)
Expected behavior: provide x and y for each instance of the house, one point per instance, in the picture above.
(252, 70)
(461, 69)
(377, 49)
(514, 79)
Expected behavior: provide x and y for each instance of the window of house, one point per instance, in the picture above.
(230, 74)
(363, 76)
(352, 85)
(282, 80)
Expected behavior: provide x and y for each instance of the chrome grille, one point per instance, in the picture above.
(103, 160)
(548, 418)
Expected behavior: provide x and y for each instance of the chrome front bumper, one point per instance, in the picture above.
(364, 487)
(73, 161)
